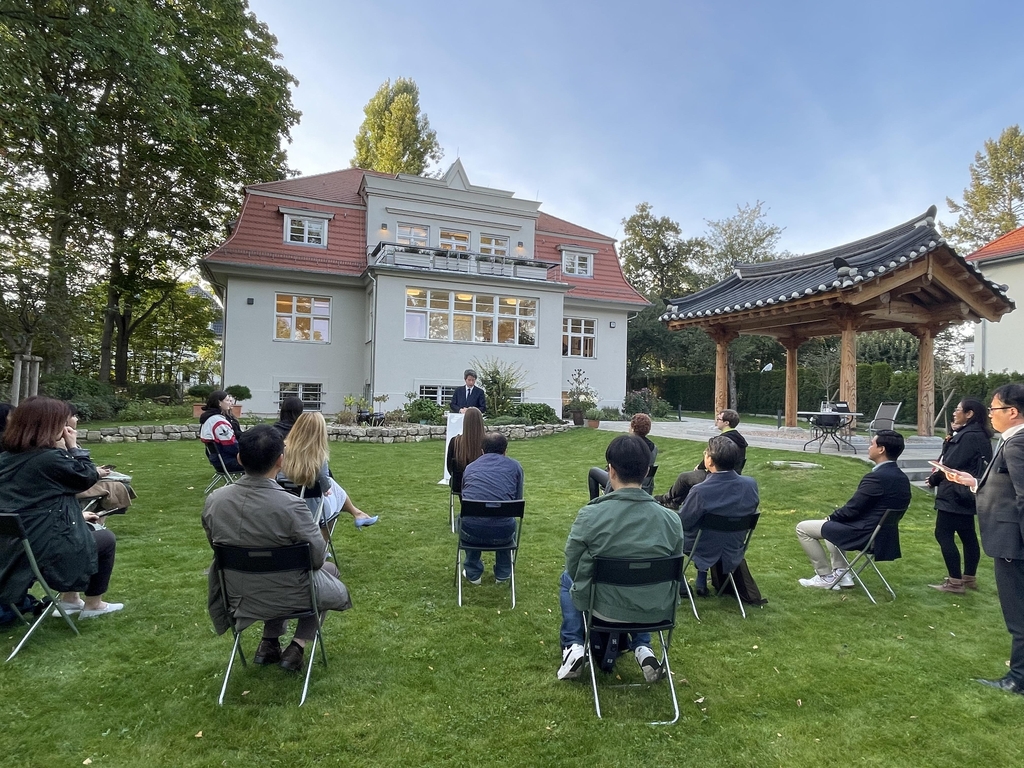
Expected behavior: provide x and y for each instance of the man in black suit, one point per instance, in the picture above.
(469, 396)
(850, 526)
(726, 420)
(1000, 497)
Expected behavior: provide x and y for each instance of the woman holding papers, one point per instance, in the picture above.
(968, 447)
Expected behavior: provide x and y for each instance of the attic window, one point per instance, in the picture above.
(305, 230)
(578, 264)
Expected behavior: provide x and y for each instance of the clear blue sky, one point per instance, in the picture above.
(844, 118)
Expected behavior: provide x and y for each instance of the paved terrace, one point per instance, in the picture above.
(914, 460)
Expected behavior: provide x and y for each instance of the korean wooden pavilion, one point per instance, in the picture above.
(907, 277)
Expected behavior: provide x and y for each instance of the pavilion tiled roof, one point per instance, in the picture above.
(1010, 244)
(778, 282)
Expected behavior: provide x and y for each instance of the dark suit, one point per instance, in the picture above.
(850, 526)
(1001, 517)
(475, 399)
(722, 493)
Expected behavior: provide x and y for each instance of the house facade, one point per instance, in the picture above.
(997, 346)
(361, 284)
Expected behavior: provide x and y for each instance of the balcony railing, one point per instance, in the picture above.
(467, 262)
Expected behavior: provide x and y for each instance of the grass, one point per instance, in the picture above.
(812, 679)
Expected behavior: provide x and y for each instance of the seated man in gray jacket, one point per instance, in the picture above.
(626, 523)
(257, 512)
(725, 493)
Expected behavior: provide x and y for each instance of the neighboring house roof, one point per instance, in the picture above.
(257, 239)
(790, 280)
(1010, 244)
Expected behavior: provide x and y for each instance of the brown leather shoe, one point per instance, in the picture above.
(291, 659)
(971, 582)
(949, 584)
(268, 652)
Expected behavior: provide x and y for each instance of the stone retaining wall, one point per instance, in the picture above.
(413, 433)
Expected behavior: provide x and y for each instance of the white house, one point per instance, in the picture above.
(362, 283)
(997, 346)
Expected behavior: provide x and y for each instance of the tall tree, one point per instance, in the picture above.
(993, 204)
(395, 137)
(744, 238)
(656, 259)
(135, 124)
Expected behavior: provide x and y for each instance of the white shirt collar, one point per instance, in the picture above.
(1012, 431)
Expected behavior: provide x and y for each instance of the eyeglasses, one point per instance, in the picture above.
(1001, 408)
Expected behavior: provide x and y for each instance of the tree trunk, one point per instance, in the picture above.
(57, 294)
(107, 339)
(123, 320)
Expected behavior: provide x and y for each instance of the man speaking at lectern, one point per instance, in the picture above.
(469, 396)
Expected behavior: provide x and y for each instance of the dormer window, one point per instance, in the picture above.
(305, 227)
(577, 263)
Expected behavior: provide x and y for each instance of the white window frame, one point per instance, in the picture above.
(438, 315)
(493, 245)
(577, 263)
(413, 234)
(311, 393)
(306, 220)
(454, 240)
(583, 334)
(295, 314)
(437, 393)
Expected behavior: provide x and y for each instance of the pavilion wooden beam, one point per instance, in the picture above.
(848, 358)
(925, 379)
(721, 336)
(792, 344)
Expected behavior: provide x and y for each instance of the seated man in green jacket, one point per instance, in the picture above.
(626, 523)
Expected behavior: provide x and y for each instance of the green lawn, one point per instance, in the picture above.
(812, 679)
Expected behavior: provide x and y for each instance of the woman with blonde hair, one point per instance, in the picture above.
(465, 448)
(305, 466)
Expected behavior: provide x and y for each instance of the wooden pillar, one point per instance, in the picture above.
(925, 380)
(792, 384)
(721, 336)
(16, 380)
(848, 360)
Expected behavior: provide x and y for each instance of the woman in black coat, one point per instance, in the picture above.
(968, 447)
(38, 482)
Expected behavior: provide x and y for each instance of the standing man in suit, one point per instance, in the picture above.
(850, 526)
(469, 396)
(1000, 497)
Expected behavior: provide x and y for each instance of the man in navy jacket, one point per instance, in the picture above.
(469, 396)
(850, 526)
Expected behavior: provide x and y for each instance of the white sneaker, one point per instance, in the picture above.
(69, 608)
(819, 582)
(846, 582)
(108, 608)
(573, 659)
(476, 582)
(649, 664)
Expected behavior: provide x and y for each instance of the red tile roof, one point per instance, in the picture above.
(258, 236)
(1010, 244)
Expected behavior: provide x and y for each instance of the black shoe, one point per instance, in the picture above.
(269, 651)
(1004, 684)
(291, 659)
(702, 591)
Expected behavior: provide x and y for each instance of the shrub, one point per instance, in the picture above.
(152, 390)
(593, 414)
(611, 414)
(424, 411)
(535, 413)
(644, 401)
(503, 421)
(345, 418)
(201, 391)
(581, 396)
(146, 410)
(500, 381)
(239, 391)
(71, 387)
(94, 408)
(396, 416)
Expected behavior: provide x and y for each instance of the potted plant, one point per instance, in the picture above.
(240, 392)
(593, 417)
(581, 397)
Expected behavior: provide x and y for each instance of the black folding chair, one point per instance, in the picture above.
(631, 573)
(221, 475)
(648, 483)
(263, 560)
(888, 527)
(467, 508)
(11, 528)
(722, 524)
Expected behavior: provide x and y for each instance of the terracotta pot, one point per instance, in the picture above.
(593, 423)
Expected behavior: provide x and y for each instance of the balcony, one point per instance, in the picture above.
(465, 262)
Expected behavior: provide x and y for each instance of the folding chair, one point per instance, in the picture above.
(626, 574)
(451, 508)
(221, 475)
(263, 560)
(887, 528)
(722, 524)
(319, 516)
(648, 483)
(467, 508)
(885, 417)
(11, 528)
